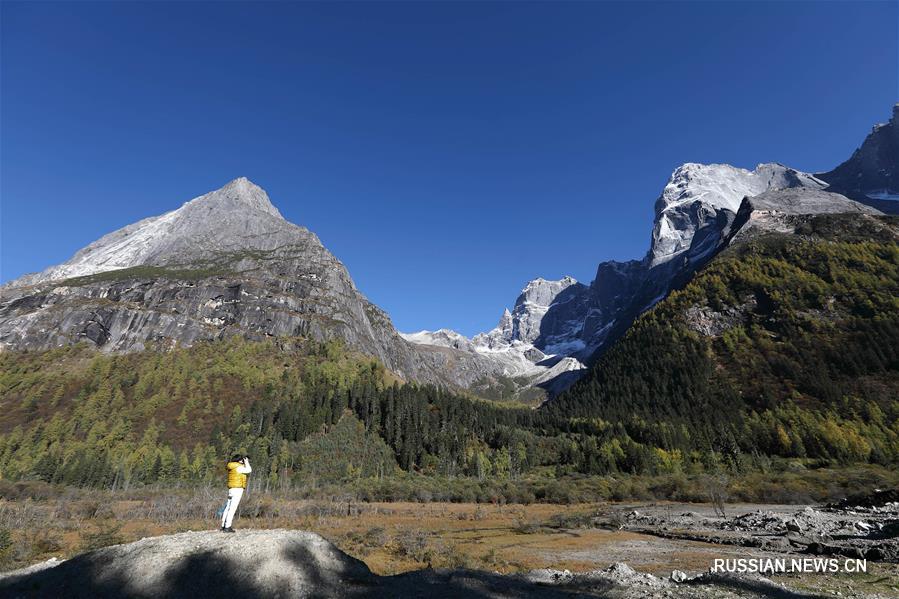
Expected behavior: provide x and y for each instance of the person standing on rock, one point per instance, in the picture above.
(238, 468)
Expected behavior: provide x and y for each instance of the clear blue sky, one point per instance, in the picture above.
(445, 152)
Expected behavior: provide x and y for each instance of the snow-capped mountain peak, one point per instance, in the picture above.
(696, 195)
(511, 343)
(522, 323)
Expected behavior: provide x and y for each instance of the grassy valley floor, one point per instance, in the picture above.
(401, 536)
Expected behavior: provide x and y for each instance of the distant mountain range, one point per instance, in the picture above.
(694, 218)
(227, 263)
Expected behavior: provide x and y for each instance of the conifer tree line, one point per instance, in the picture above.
(314, 412)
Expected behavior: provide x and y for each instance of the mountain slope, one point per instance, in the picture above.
(555, 321)
(694, 218)
(801, 324)
(225, 263)
(236, 218)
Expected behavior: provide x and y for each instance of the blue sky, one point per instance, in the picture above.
(445, 152)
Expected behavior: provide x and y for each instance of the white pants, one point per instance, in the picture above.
(234, 496)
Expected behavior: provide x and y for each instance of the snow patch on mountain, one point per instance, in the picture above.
(512, 359)
(567, 348)
(883, 194)
(696, 193)
(439, 338)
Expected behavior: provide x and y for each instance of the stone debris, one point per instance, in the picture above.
(621, 573)
(620, 581)
(549, 576)
(678, 576)
(879, 500)
(618, 574)
(860, 527)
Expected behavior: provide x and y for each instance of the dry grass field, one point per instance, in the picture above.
(390, 537)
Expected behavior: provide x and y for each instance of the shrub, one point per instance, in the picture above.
(413, 544)
(106, 534)
(574, 520)
(45, 541)
(6, 547)
(375, 536)
(526, 527)
(449, 556)
(27, 489)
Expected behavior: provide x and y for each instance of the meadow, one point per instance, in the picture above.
(39, 521)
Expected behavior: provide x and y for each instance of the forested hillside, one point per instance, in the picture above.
(784, 345)
(311, 411)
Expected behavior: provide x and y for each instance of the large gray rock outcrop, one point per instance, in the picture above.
(251, 564)
(781, 211)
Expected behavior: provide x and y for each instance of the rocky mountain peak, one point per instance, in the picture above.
(871, 174)
(238, 194)
(541, 292)
(522, 323)
(697, 194)
(505, 323)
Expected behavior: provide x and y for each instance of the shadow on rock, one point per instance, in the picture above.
(756, 587)
(200, 565)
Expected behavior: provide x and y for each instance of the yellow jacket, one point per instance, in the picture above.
(237, 475)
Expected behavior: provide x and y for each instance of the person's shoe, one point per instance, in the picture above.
(229, 529)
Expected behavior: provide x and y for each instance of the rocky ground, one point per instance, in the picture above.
(864, 527)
